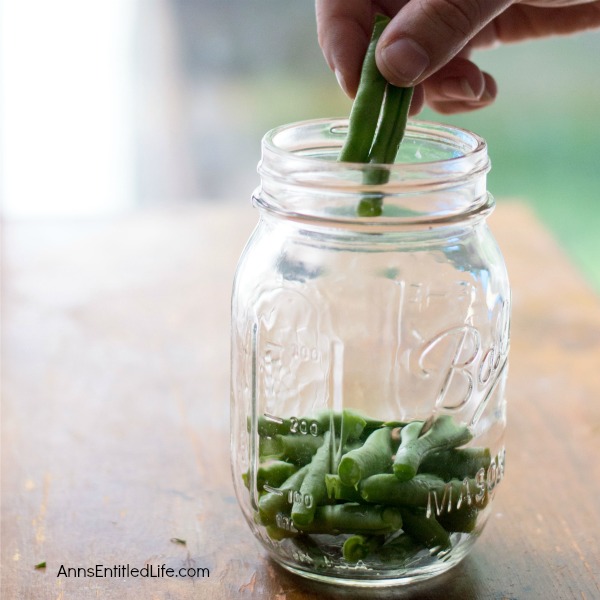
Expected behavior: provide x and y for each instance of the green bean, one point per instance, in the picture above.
(277, 534)
(375, 456)
(372, 424)
(272, 473)
(358, 547)
(457, 463)
(408, 435)
(269, 426)
(443, 434)
(463, 519)
(320, 557)
(399, 550)
(290, 448)
(269, 448)
(335, 474)
(337, 490)
(352, 517)
(275, 502)
(388, 489)
(425, 530)
(347, 424)
(394, 115)
(366, 107)
(313, 490)
(377, 123)
(424, 490)
(348, 421)
(355, 424)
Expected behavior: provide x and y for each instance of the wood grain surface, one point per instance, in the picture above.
(115, 407)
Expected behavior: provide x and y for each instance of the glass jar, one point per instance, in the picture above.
(369, 357)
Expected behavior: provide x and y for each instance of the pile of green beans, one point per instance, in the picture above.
(377, 123)
(385, 489)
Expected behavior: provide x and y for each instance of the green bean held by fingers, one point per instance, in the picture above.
(364, 114)
(377, 123)
(394, 116)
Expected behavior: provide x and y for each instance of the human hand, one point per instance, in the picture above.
(428, 42)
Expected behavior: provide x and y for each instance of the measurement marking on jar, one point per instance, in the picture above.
(305, 353)
(273, 418)
(295, 497)
(284, 522)
(273, 490)
(304, 426)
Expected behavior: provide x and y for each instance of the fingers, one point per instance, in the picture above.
(344, 29)
(427, 34)
(459, 86)
(418, 100)
(523, 22)
(449, 103)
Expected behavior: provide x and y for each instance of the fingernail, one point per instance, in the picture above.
(458, 87)
(405, 59)
(488, 95)
(341, 81)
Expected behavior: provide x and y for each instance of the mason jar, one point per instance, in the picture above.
(369, 356)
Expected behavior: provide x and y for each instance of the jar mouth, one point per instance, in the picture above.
(439, 175)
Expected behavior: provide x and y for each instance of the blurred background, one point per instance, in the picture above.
(110, 106)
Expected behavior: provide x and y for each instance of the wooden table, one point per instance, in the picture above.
(115, 348)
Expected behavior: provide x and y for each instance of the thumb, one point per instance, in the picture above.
(426, 34)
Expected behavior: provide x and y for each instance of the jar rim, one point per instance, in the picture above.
(437, 161)
(474, 145)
